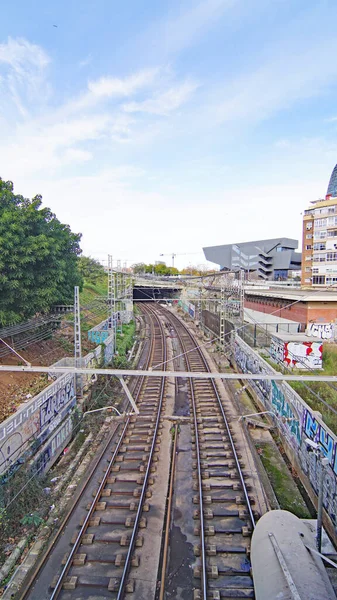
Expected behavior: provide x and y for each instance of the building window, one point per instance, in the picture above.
(308, 257)
(319, 246)
(318, 280)
(320, 222)
(330, 280)
(308, 247)
(320, 235)
(307, 280)
(332, 233)
(331, 210)
(309, 236)
(330, 256)
(315, 270)
(319, 258)
(309, 226)
(307, 269)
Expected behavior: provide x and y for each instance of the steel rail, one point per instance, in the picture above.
(168, 520)
(127, 565)
(64, 522)
(73, 551)
(201, 502)
(226, 424)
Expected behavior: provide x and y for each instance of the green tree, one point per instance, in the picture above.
(164, 270)
(90, 269)
(138, 268)
(38, 257)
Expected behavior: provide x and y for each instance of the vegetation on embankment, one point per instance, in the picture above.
(38, 257)
(285, 488)
(125, 342)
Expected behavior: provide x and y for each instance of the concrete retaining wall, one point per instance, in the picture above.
(296, 421)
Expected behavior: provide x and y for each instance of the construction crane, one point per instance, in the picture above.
(173, 255)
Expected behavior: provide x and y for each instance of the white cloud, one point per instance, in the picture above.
(76, 155)
(23, 79)
(50, 145)
(165, 102)
(107, 87)
(22, 55)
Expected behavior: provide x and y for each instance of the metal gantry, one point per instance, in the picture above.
(120, 278)
(242, 295)
(112, 317)
(77, 339)
(223, 300)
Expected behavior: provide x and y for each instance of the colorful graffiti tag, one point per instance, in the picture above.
(28, 428)
(49, 453)
(303, 355)
(324, 331)
(296, 422)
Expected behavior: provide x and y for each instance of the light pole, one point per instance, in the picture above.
(319, 453)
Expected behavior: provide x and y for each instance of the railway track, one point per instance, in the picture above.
(108, 540)
(223, 514)
(106, 554)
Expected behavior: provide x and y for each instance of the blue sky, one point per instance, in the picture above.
(159, 127)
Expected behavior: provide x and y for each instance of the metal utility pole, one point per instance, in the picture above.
(242, 295)
(77, 338)
(119, 293)
(112, 325)
(222, 317)
(324, 462)
(200, 306)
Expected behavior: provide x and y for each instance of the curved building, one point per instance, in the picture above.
(269, 259)
(332, 187)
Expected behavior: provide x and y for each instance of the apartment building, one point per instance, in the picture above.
(319, 248)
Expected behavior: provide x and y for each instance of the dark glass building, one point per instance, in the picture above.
(270, 259)
(332, 187)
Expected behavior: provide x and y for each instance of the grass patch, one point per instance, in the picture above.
(124, 343)
(91, 290)
(286, 491)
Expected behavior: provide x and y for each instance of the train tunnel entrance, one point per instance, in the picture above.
(153, 292)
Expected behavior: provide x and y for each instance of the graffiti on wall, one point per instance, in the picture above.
(49, 453)
(29, 427)
(108, 349)
(324, 331)
(303, 355)
(277, 349)
(36, 423)
(290, 422)
(97, 337)
(296, 422)
(191, 310)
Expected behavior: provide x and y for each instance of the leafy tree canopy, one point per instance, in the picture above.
(38, 257)
(160, 269)
(90, 269)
